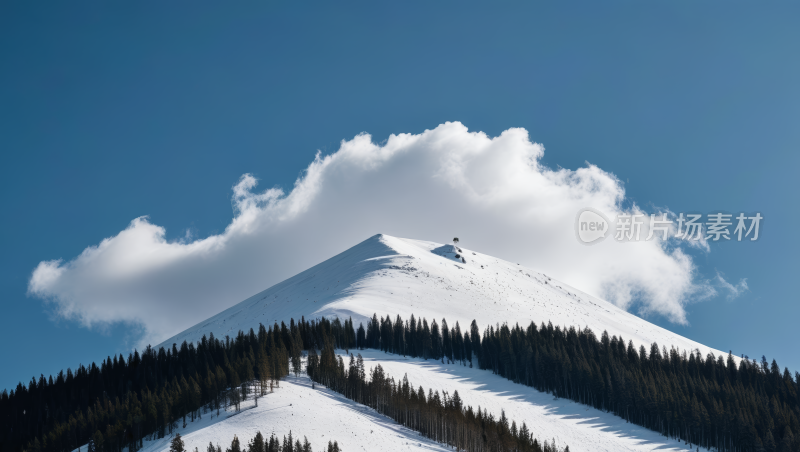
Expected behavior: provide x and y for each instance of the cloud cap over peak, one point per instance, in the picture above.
(492, 192)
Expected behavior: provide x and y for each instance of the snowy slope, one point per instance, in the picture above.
(389, 275)
(322, 415)
(581, 427)
(318, 414)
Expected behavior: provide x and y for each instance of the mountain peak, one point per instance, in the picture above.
(393, 276)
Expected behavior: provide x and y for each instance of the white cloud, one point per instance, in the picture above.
(733, 290)
(491, 192)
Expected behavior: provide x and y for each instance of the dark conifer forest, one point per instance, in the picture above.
(261, 444)
(711, 401)
(443, 418)
(120, 402)
(708, 401)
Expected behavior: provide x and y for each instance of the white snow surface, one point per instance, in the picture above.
(390, 276)
(320, 415)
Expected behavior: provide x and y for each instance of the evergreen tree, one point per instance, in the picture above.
(98, 441)
(176, 445)
(447, 346)
(289, 445)
(257, 443)
(235, 447)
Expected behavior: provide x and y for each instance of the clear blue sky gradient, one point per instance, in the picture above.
(112, 110)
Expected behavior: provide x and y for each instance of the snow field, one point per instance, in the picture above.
(580, 427)
(319, 414)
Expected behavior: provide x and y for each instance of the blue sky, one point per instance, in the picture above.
(109, 112)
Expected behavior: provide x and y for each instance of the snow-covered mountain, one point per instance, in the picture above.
(387, 275)
(390, 276)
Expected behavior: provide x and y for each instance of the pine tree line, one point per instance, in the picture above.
(120, 402)
(442, 418)
(257, 444)
(708, 401)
